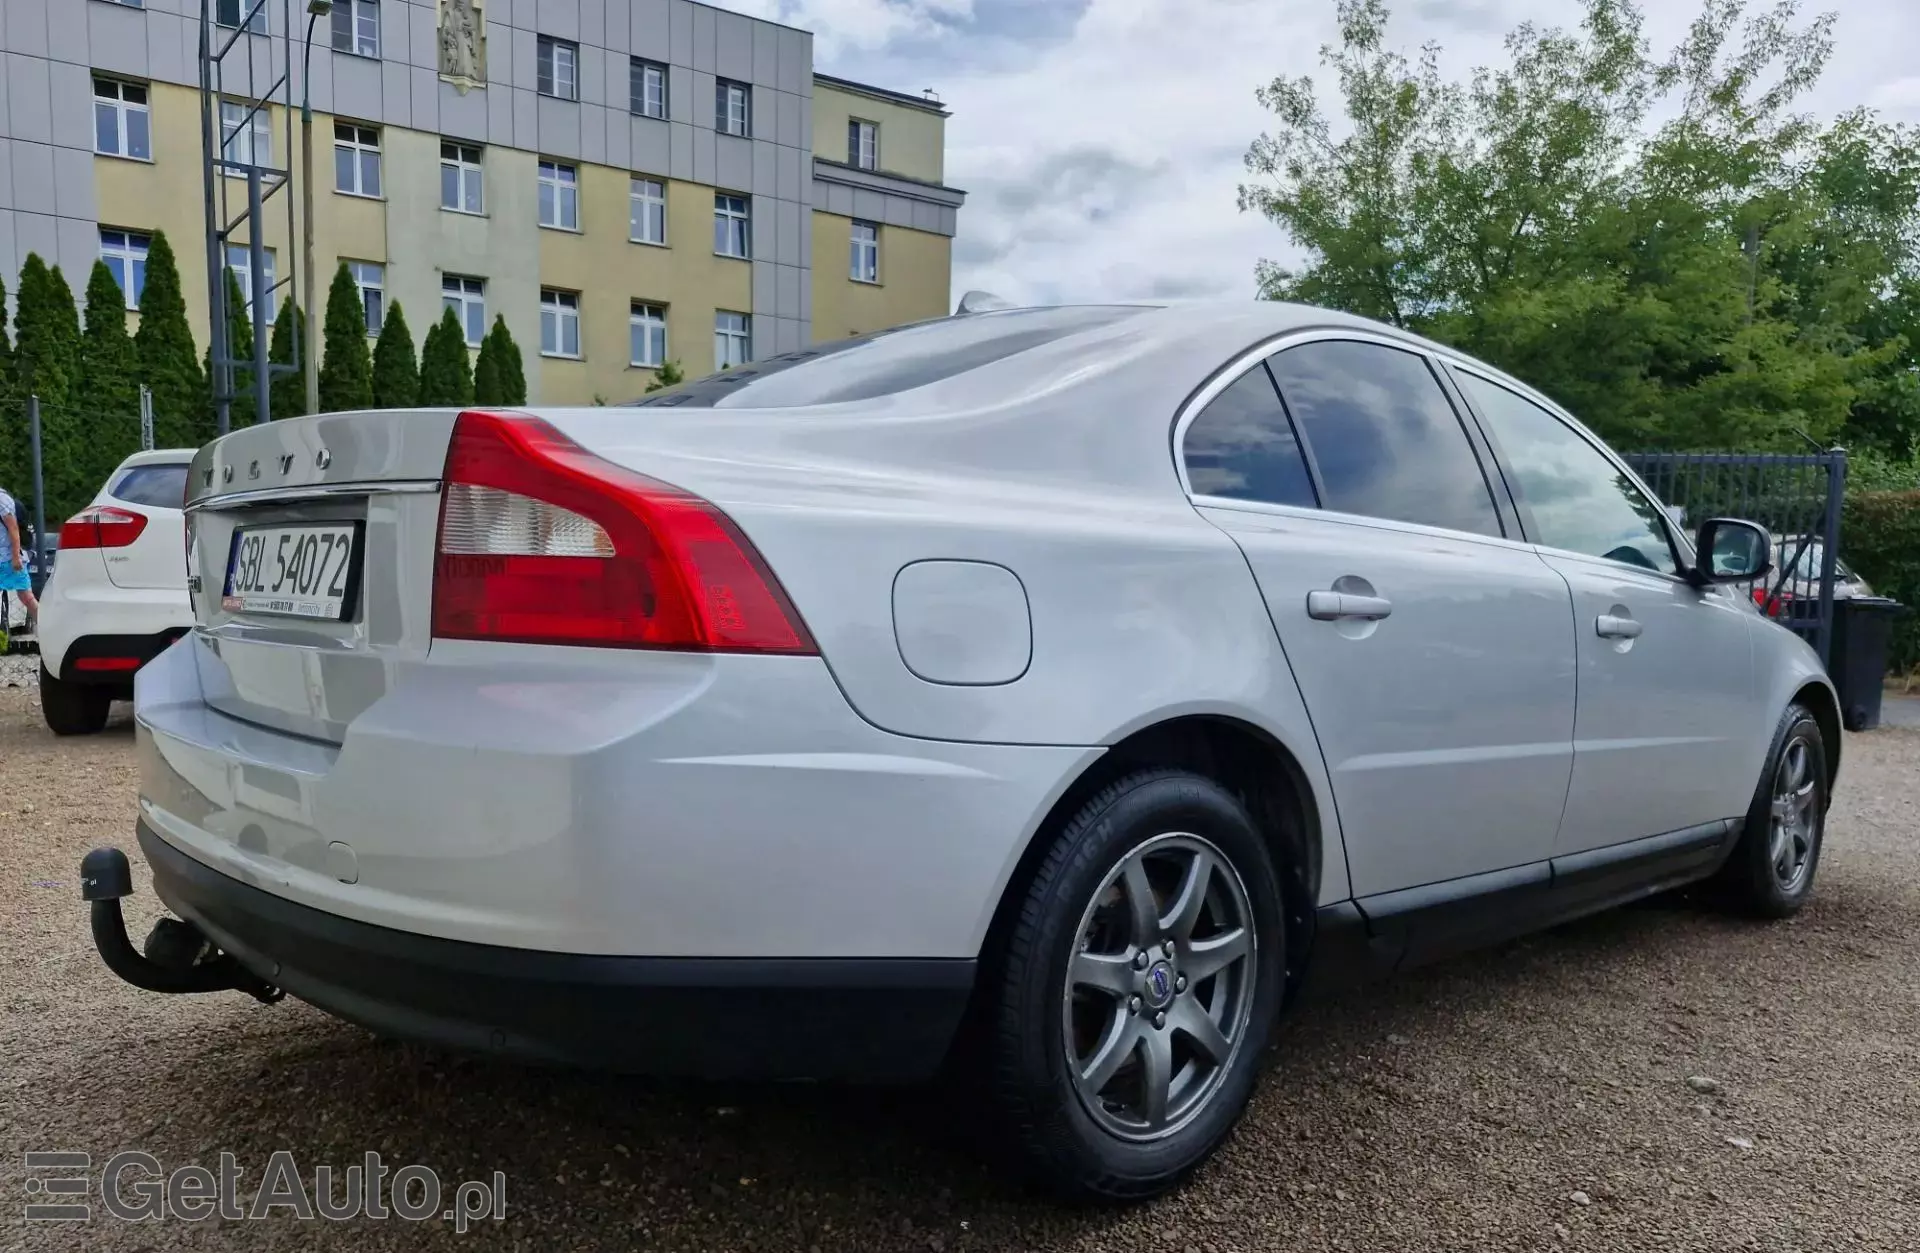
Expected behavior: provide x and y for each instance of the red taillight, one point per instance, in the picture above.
(111, 664)
(541, 542)
(1771, 603)
(102, 526)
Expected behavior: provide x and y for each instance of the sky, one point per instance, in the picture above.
(1100, 142)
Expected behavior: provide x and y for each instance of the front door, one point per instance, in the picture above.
(1666, 688)
(1433, 654)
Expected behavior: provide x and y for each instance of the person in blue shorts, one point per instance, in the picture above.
(14, 580)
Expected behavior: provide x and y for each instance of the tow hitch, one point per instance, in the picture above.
(177, 957)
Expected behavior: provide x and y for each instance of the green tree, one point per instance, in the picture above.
(446, 372)
(506, 353)
(1656, 281)
(6, 351)
(396, 377)
(668, 375)
(107, 399)
(346, 371)
(164, 346)
(489, 382)
(46, 365)
(287, 394)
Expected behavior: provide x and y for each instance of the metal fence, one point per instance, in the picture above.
(1797, 497)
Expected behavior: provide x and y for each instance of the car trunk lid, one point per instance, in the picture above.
(372, 474)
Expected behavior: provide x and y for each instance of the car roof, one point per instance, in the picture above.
(158, 457)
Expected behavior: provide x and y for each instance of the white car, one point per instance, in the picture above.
(118, 594)
(1100, 677)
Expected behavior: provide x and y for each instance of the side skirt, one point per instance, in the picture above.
(1371, 937)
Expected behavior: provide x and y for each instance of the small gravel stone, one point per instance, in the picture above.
(1451, 1144)
(1579, 1198)
(1703, 1084)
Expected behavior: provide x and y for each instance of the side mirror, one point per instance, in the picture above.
(1729, 550)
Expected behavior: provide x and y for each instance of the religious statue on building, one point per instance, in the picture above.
(463, 48)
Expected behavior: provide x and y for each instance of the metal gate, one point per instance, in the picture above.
(1796, 497)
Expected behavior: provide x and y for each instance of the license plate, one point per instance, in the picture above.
(301, 571)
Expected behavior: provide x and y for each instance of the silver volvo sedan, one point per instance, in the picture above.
(1056, 693)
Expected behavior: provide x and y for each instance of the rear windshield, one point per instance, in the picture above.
(884, 362)
(155, 486)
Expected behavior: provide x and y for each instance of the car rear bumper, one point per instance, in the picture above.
(112, 660)
(581, 801)
(868, 1019)
(75, 609)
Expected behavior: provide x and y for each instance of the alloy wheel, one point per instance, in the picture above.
(1794, 819)
(1160, 987)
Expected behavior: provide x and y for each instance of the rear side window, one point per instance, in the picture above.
(155, 486)
(1579, 500)
(1384, 436)
(885, 362)
(1242, 446)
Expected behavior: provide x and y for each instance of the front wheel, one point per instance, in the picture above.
(1770, 872)
(1139, 986)
(72, 708)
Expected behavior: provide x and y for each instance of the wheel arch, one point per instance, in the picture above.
(1820, 701)
(1247, 760)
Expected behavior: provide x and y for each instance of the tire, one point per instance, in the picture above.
(1771, 870)
(1090, 1132)
(72, 708)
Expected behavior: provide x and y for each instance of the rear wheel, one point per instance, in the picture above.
(1770, 873)
(1138, 988)
(72, 708)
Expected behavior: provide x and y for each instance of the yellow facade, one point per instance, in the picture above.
(843, 306)
(419, 243)
(912, 141)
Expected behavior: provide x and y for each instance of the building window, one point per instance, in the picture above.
(559, 323)
(229, 13)
(121, 123)
(647, 211)
(240, 261)
(647, 336)
(356, 27)
(733, 107)
(558, 72)
(649, 88)
(371, 278)
(559, 196)
(356, 159)
(126, 255)
(467, 297)
(865, 266)
(863, 144)
(460, 178)
(732, 226)
(732, 340)
(246, 135)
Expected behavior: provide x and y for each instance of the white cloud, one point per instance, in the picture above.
(1102, 151)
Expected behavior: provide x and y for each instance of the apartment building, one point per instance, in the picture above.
(627, 182)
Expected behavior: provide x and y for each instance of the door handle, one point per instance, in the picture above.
(1334, 606)
(1613, 627)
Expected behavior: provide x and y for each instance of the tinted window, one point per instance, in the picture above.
(1384, 436)
(1242, 445)
(1580, 501)
(157, 487)
(884, 362)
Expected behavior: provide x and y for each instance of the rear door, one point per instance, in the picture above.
(157, 491)
(1433, 652)
(1667, 692)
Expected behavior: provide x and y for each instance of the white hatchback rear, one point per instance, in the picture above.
(118, 594)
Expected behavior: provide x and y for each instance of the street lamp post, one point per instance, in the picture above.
(316, 9)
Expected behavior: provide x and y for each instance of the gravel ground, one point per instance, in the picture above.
(1537, 1097)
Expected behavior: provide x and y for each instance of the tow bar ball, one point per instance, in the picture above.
(178, 956)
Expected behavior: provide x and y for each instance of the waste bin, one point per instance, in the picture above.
(1862, 629)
